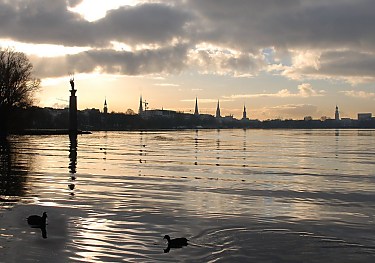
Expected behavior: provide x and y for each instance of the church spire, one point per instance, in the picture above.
(105, 109)
(244, 113)
(196, 112)
(337, 114)
(140, 110)
(218, 110)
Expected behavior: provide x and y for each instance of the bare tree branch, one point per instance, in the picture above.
(17, 84)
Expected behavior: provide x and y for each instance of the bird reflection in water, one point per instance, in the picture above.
(72, 161)
(36, 221)
(175, 243)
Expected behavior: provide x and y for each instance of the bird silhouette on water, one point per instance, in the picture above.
(175, 242)
(36, 221)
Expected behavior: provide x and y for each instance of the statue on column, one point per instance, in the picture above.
(72, 109)
(72, 82)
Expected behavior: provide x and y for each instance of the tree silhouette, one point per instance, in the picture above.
(17, 85)
(129, 112)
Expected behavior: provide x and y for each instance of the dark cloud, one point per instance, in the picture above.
(225, 62)
(47, 22)
(353, 66)
(239, 23)
(73, 3)
(340, 30)
(253, 24)
(148, 23)
(50, 22)
(164, 60)
(347, 63)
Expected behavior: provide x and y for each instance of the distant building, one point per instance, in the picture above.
(104, 116)
(364, 116)
(161, 113)
(218, 110)
(346, 122)
(196, 112)
(105, 109)
(337, 114)
(229, 118)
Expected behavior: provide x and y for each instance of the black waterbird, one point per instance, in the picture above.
(175, 242)
(37, 221)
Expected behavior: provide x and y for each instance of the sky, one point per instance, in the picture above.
(282, 59)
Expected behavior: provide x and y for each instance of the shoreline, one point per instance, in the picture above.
(48, 132)
(80, 132)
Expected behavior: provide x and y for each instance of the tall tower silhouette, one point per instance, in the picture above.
(105, 109)
(196, 112)
(244, 113)
(337, 114)
(140, 110)
(72, 109)
(218, 110)
(105, 115)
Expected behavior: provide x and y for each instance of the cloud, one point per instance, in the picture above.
(305, 90)
(351, 66)
(209, 59)
(291, 110)
(51, 22)
(167, 85)
(309, 39)
(359, 94)
(206, 100)
(164, 60)
(251, 24)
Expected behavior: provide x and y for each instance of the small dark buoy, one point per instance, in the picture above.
(37, 221)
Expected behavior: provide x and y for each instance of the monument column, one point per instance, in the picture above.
(72, 109)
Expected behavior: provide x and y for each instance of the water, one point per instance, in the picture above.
(237, 195)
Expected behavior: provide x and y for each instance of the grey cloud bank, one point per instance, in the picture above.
(168, 37)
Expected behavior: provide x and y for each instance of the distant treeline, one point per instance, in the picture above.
(94, 120)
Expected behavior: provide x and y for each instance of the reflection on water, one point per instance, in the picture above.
(72, 161)
(237, 195)
(13, 171)
(218, 148)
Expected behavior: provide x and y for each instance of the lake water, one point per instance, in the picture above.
(237, 195)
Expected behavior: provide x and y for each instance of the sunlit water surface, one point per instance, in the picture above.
(237, 195)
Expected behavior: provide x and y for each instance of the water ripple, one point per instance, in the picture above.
(237, 195)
